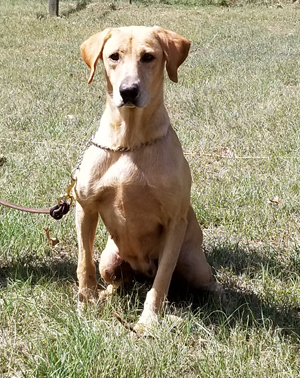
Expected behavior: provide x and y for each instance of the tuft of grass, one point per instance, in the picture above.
(236, 111)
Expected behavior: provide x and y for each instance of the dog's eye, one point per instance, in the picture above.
(147, 57)
(115, 57)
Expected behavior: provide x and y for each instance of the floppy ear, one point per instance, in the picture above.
(175, 48)
(91, 50)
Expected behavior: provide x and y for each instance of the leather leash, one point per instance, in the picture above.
(24, 208)
(57, 211)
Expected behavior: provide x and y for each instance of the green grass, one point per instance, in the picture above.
(236, 109)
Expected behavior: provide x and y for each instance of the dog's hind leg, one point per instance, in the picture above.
(192, 265)
(113, 270)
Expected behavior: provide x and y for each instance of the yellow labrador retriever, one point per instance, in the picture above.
(134, 174)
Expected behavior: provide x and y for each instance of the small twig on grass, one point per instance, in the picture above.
(51, 241)
(125, 324)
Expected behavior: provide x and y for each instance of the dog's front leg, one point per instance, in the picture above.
(166, 266)
(86, 224)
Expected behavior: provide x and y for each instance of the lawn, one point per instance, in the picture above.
(236, 109)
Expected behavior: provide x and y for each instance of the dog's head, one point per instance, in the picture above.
(134, 59)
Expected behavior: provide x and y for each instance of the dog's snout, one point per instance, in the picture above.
(129, 92)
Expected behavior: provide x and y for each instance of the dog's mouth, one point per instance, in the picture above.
(129, 105)
(136, 103)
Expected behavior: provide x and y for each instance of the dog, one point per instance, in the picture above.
(134, 174)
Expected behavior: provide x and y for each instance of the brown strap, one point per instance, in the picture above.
(57, 211)
(23, 208)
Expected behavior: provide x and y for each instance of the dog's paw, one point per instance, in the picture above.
(87, 295)
(88, 298)
(147, 323)
(85, 299)
(92, 296)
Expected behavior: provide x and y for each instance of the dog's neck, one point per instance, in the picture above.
(132, 127)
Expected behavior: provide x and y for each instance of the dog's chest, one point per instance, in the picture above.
(132, 208)
(133, 186)
(129, 188)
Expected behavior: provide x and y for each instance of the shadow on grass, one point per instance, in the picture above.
(81, 5)
(243, 305)
(59, 266)
(240, 260)
(240, 307)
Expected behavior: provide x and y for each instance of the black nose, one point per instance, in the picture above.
(129, 92)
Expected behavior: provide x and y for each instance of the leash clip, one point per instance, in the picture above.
(63, 206)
